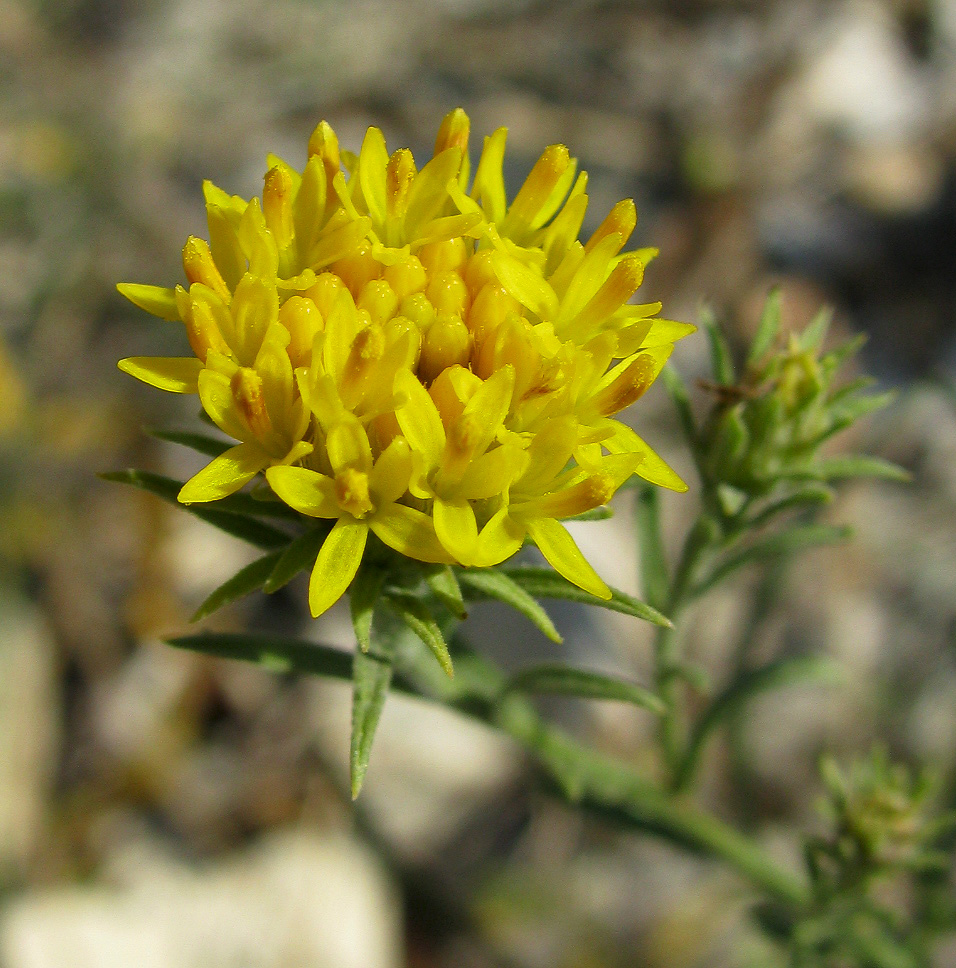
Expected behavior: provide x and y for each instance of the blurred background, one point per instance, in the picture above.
(163, 809)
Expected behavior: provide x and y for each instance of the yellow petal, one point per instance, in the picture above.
(564, 556)
(489, 405)
(300, 449)
(629, 381)
(275, 369)
(489, 186)
(304, 490)
(553, 202)
(652, 467)
(429, 192)
(257, 242)
(562, 233)
(419, 419)
(499, 539)
(588, 278)
(666, 331)
(525, 285)
(199, 266)
(223, 221)
(548, 455)
(172, 373)
(372, 161)
(255, 308)
(448, 227)
(338, 561)
(620, 285)
(456, 528)
(348, 447)
(337, 243)
(409, 532)
(309, 205)
(154, 299)
(492, 473)
(392, 472)
(216, 396)
(209, 323)
(225, 475)
(535, 202)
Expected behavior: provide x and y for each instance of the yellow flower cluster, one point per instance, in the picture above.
(404, 351)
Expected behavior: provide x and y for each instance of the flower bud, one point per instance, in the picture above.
(446, 343)
(199, 266)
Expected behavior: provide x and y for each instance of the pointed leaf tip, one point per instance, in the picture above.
(371, 679)
(416, 615)
(494, 583)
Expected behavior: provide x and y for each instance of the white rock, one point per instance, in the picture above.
(298, 899)
(863, 80)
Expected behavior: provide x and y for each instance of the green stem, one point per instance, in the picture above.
(606, 786)
(667, 645)
(655, 578)
(587, 778)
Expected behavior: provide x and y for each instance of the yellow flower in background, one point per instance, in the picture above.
(416, 356)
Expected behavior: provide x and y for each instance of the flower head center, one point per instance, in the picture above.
(352, 494)
(247, 391)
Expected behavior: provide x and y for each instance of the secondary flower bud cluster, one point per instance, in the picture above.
(407, 352)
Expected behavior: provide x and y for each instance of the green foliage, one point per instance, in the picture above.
(744, 688)
(250, 579)
(764, 432)
(880, 872)
(496, 583)
(237, 514)
(545, 583)
(371, 679)
(416, 614)
(564, 680)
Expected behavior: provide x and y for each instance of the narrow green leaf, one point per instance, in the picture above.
(730, 439)
(221, 515)
(786, 543)
(495, 583)
(677, 390)
(694, 675)
(720, 358)
(832, 361)
(293, 654)
(297, 557)
(767, 329)
(415, 614)
(256, 505)
(834, 468)
(853, 407)
(566, 680)
(366, 587)
(776, 675)
(249, 579)
(443, 583)
(545, 583)
(851, 389)
(203, 443)
(655, 577)
(371, 678)
(816, 332)
(809, 496)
